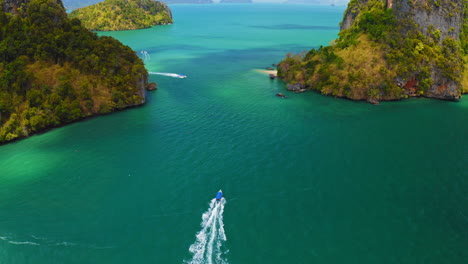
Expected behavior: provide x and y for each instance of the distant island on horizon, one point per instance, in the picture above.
(319, 2)
(188, 1)
(75, 4)
(115, 15)
(236, 1)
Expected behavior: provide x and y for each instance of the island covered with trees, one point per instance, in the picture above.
(112, 15)
(389, 50)
(53, 71)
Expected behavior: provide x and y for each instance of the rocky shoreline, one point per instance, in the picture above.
(387, 51)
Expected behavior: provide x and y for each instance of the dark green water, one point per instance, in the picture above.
(308, 179)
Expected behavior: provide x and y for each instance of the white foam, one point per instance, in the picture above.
(168, 74)
(146, 56)
(211, 237)
(23, 243)
(66, 244)
(4, 238)
(39, 241)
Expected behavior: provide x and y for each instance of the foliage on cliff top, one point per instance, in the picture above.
(54, 71)
(112, 15)
(464, 45)
(409, 58)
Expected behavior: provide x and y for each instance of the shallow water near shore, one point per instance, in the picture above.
(307, 179)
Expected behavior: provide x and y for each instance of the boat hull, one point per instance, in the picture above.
(219, 195)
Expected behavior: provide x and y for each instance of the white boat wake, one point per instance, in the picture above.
(175, 75)
(207, 249)
(146, 56)
(18, 242)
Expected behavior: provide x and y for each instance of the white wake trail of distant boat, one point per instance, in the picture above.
(175, 75)
(207, 249)
(146, 56)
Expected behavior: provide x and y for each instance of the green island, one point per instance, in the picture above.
(54, 71)
(112, 15)
(389, 50)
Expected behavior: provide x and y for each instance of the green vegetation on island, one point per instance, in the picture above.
(53, 71)
(388, 50)
(111, 15)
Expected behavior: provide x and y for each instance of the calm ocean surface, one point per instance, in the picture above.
(308, 179)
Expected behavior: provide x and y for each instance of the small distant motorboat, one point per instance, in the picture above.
(219, 195)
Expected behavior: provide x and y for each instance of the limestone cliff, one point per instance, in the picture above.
(353, 10)
(387, 50)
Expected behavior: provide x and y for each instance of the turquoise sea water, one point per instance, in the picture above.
(308, 179)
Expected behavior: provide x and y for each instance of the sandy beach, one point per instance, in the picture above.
(274, 72)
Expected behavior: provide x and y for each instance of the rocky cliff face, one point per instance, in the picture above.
(444, 17)
(147, 5)
(447, 16)
(418, 46)
(353, 10)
